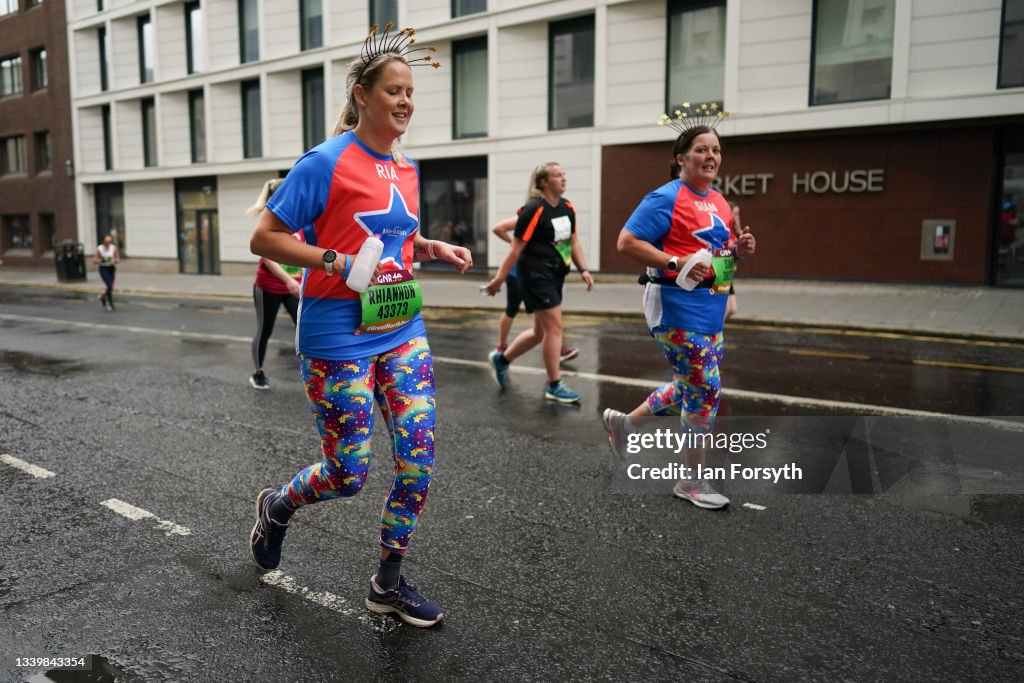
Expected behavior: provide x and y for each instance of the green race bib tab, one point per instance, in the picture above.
(724, 263)
(391, 303)
(565, 251)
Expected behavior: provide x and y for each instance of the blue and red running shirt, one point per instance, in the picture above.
(347, 192)
(681, 221)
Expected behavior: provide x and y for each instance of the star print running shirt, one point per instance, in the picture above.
(347, 192)
(681, 221)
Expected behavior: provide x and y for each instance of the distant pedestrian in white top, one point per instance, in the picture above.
(107, 257)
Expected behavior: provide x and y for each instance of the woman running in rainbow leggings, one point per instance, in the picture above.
(360, 349)
(671, 224)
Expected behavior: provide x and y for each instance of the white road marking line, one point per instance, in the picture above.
(754, 506)
(845, 407)
(134, 513)
(335, 603)
(27, 467)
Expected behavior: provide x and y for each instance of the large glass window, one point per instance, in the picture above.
(252, 119)
(40, 75)
(10, 75)
(571, 73)
(1009, 241)
(44, 155)
(145, 49)
(12, 155)
(198, 226)
(17, 231)
(852, 50)
(461, 8)
(101, 36)
(110, 213)
(47, 227)
(313, 123)
(195, 54)
(453, 199)
(383, 12)
(108, 143)
(312, 22)
(469, 88)
(197, 125)
(1011, 45)
(249, 30)
(696, 52)
(149, 131)
(8, 7)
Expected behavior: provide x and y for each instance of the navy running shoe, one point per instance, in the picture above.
(267, 535)
(500, 369)
(405, 601)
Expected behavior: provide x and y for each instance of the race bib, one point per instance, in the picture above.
(391, 303)
(563, 237)
(725, 266)
(293, 271)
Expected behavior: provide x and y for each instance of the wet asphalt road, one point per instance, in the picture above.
(544, 573)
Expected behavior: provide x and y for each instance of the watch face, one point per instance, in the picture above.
(330, 256)
(673, 265)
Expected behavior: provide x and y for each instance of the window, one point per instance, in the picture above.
(47, 226)
(453, 204)
(10, 75)
(194, 37)
(17, 231)
(40, 77)
(8, 7)
(44, 157)
(252, 136)
(851, 50)
(461, 8)
(99, 5)
(145, 49)
(384, 11)
(101, 36)
(34, 3)
(197, 120)
(313, 123)
(696, 53)
(249, 30)
(1011, 45)
(108, 147)
(571, 73)
(12, 155)
(469, 88)
(148, 132)
(110, 213)
(312, 22)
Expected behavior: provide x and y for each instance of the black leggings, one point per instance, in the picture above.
(107, 275)
(266, 313)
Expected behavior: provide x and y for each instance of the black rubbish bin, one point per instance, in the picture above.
(70, 261)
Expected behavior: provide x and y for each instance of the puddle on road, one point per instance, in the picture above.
(1005, 510)
(101, 670)
(39, 365)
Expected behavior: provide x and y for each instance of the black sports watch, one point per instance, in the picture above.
(673, 264)
(330, 256)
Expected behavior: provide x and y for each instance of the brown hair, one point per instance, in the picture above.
(683, 144)
(367, 76)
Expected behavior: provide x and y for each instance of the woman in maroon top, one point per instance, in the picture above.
(275, 286)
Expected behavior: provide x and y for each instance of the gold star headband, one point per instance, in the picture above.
(704, 114)
(399, 42)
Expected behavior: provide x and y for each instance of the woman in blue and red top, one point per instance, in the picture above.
(671, 224)
(276, 285)
(354, 351)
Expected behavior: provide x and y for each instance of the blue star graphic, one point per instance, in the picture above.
(715, 235)
(395, 221)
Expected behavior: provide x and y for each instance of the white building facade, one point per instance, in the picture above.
(181, 110)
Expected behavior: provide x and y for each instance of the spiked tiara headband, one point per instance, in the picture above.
(704, 114)
(398, 42)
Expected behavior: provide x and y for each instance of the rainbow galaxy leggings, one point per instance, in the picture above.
(341, 395)
(696, 388)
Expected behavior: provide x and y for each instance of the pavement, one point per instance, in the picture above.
(967, 311)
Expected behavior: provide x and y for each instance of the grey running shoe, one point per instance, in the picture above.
(701, 493)
(619, 428)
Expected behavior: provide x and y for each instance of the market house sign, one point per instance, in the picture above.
(807, 182)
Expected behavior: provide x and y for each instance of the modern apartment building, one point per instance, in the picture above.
(37, 190)
(868, 139)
